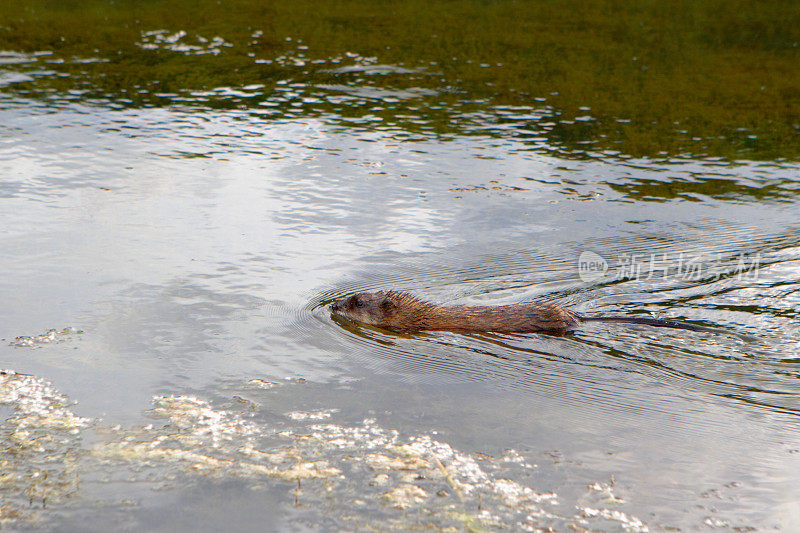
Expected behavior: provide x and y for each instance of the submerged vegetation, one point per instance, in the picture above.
(652, 78)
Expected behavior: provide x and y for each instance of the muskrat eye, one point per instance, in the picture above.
(359, 303)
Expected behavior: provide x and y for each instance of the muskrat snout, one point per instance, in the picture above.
(366, 307)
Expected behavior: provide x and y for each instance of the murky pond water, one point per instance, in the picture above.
(168, 255)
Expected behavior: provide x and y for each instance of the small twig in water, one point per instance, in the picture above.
(452, 482)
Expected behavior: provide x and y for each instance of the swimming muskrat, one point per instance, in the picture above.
(400, 311)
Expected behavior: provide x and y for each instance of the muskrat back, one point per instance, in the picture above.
(403, 312)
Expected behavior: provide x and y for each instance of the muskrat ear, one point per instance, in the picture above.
(387, 305)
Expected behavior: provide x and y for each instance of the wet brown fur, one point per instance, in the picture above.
(400, 311)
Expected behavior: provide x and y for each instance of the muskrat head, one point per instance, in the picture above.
(373, 308)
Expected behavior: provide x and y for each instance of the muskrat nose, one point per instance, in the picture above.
(335, 306)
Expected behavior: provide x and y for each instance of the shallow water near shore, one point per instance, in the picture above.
(169, 257)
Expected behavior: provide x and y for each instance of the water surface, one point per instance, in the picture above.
(189, 238)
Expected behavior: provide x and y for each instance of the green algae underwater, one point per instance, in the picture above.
(712, 78)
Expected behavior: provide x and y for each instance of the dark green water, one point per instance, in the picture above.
(187, 185)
